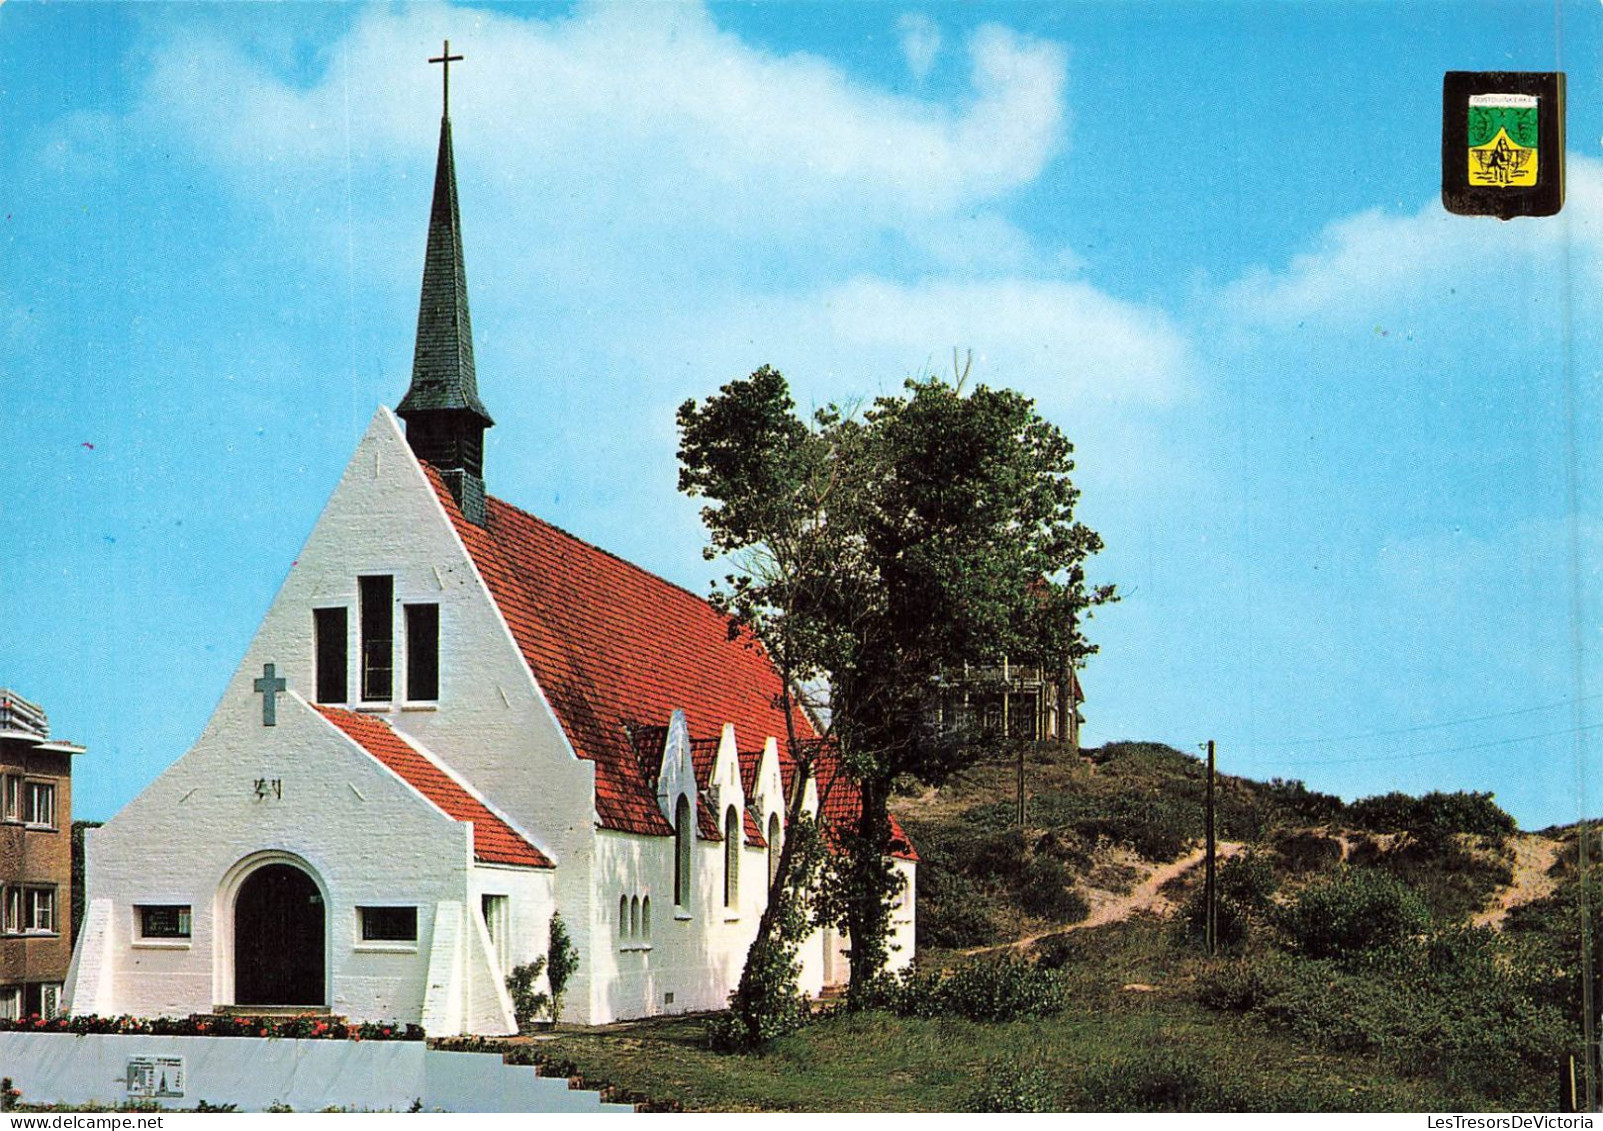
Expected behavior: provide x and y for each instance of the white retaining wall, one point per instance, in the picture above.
(254, 1074)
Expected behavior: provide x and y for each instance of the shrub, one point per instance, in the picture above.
(1298, 804)
(562, 959)
(1307, 852)
(1045, 891)
(1434, 816)
(1246, 884)
(1010, 1087)
(527, 1003)
(1005, 990)
(1351, 912)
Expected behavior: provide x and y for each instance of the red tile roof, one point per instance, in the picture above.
(494, 841)
(615, 648)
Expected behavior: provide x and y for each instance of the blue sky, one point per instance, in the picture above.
(1343, 447)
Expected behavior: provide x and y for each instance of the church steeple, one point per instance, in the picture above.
(445, 420)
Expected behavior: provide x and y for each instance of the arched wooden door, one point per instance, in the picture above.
(278, 939)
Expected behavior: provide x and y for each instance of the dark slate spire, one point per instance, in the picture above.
(445, 420)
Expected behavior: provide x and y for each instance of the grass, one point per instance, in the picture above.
(1113, 1048)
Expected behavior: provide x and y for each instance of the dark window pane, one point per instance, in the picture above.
(164, 922)
(389, 924)
(378, 637)
(329, 628)
(422, 652)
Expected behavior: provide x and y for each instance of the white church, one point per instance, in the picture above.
(455, 721)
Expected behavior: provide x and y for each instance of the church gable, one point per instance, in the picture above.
(615, 650)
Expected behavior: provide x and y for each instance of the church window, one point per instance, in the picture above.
(683, 838)
(422, 652)
(634, 917)
(333, 670)
(388, 924)
(623, 916)
(731, 857)
(645, 918)
(168, 921)
(39, 806)
(378, 637)
(773, 847)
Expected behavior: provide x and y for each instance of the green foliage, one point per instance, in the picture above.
(1351, 912)
(1302, 851)
(528, 1004)
(1246, 884)
(1459, 1006)
(936, 529)
(769, 1003)
(996, 990)
(1295, 803)
(8, 1095)
(562, 960)
(1008, 1086)
(1046, 891)
(1453, 881)
(1433, 816)
(77, 877)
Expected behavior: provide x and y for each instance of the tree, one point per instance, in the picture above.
(871, 554)
(562, 959)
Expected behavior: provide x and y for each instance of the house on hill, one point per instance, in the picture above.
(455, 721)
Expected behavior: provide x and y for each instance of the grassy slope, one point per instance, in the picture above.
(1155, 1047)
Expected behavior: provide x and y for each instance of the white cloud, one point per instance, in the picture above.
(921, 43)
(1374, 258)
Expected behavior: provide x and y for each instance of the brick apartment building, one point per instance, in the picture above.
(35, 860)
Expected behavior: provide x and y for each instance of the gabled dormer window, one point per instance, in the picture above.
(378, 637)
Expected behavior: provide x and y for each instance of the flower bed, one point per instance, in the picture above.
(305, 1027)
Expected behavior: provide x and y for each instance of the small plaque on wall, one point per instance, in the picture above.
(155, 1077)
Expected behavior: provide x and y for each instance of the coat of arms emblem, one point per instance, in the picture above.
(1503, 143)
(1503, 150)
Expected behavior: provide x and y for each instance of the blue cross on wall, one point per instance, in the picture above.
(270, 685)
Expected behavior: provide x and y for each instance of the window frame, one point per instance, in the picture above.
(422, 651)
(732, 837)
(369, 915)
(375, 598)
(332, 669)
(33, 788)
(684, 834)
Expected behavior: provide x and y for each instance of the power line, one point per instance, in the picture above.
(1423, 726)
(1449, 749)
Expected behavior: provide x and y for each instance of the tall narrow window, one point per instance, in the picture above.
(645, 918)
(422, 652)
(13, 801)
(731, 857)
(634, 917)
(497, 921)
(333, 678)
(773, 847)
(378, 637)
(683, 836)
(623, 917)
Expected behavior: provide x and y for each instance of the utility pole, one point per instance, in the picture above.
(1210, 891)
(1588, 996)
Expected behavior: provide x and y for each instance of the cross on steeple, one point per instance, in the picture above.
(270, 685)
(447, 59)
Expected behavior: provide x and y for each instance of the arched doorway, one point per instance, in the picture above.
(278, 938)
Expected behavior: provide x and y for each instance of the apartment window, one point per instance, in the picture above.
(10, 1003)
(422, 652)
(331, 642)
(388, 924)
(39, 907)
(165, 921)
(378, 637)
(13, 798)
(39, 803)
(11, 910)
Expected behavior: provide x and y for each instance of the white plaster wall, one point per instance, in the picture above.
(254, 1073)
(367, 837)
